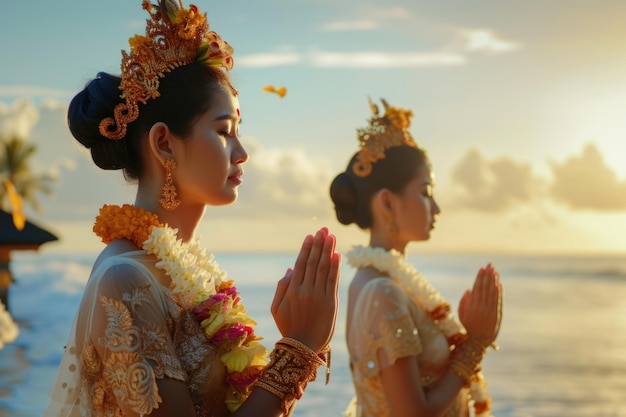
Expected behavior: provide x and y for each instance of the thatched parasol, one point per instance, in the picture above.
(29, 238)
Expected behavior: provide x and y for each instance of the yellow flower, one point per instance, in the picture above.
(236, 359)
(398, 117)
(212, 324)
(233, 401)
(259, 354)
(137, 42)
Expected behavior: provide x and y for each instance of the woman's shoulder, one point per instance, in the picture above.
(371, 287)
(372, 280)
(122, 261)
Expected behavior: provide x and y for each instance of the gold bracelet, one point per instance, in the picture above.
(466, 357)
(324, 355)
(292, 366)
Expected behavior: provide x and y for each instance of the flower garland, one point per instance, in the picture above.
(200, 286)
(429, 300)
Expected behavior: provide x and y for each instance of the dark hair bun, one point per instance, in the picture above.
(87, 109)
(344, 196)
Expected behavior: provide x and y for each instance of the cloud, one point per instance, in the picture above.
(375, 59)
(278, 182)
(371, 59)
(373, 22)
(585, 182)
(493, 185)
(355, 25)
(393, 13)
(33, 91)
(277, 59)
(283, 182)
(456, 53)
(18, 119)
(483, 40)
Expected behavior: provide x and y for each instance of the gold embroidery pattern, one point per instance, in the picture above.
(201, 361)
(399, 339)
(131, 361)
(108, 327)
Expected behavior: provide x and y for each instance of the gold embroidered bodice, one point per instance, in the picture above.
(129, 332)
(384, 319)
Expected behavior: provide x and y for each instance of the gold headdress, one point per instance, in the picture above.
(383, 132)
(175, 37)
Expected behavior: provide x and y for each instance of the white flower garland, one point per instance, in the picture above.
(425, 296)
(194, 273)
(196, 280)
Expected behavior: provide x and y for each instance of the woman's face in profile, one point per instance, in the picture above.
(417, 207)
(210, 170)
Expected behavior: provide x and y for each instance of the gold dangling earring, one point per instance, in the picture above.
(168, 192)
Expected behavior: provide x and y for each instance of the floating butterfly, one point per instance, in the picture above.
(281, 91)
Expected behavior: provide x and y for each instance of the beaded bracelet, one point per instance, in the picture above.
(292, 366)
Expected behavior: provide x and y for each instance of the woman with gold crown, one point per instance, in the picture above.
(160, 331)
(408, 355)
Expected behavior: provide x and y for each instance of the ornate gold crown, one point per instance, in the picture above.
(383, 132)
(175, 37)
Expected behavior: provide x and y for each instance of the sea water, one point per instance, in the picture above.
(562, 342)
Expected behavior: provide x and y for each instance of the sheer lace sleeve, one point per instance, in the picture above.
(383, 319)
(121, 342)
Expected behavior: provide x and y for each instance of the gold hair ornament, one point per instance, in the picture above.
(384, 131)
(175, 37)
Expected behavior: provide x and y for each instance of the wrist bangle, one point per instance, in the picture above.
(466, 357)
(292, 366)
(324, 355)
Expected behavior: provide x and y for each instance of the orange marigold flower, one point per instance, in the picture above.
(126, 222)
(244, 378)
(440, 312)
(224, 285)
(481, 407)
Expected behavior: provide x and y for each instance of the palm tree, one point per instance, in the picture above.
(19, 182)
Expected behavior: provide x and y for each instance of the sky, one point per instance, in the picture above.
(520, 105)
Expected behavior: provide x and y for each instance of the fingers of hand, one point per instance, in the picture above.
(332, 283)
(319, 257)
(281, 289)
(483, 286)
(300, 265)
(324, 270)
(477, 281)
(500, 300)
(489, 293)
(463, 302)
